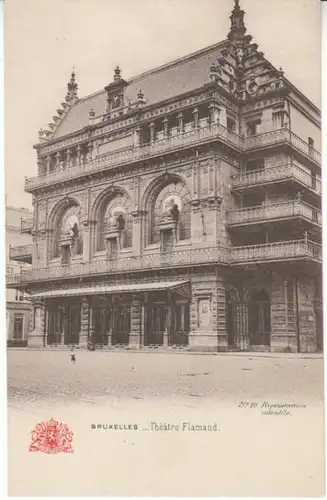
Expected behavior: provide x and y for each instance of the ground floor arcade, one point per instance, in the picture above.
(215, 311)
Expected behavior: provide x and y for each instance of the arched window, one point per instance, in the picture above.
(115, 216)
(259, 318)
(68, 229)
(171, 200)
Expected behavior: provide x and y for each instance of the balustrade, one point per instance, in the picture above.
(197, 135)
(26, 225)
(286, 171)
(194, 256)
(276, 251)
(20, 251)
(274, 210)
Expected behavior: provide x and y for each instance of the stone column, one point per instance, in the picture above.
(68, 158)
(214, 113)
(48, 162)
(88, 233)
(152, 128)
(78, 154)
(89, 150)
(37, 338)
(165, 124)
(138, 217)
(137, 137)
(196, 117)
(180, 123)
(135, 336)
(58, 158)
(85, 323)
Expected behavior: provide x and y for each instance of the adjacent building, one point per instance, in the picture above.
(180, 209)
(18, 258)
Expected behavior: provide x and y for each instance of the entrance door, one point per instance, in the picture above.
(230, 322)
(122, 324)
(18, 326)
(180, 323)
(101, 324)
(73, 324)
(56, 322)
(156, 324)
(259, 319)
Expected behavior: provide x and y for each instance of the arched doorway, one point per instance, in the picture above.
(259, 318)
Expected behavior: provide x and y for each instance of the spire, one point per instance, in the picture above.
(237, 30)
(117, 74)
(72, 88)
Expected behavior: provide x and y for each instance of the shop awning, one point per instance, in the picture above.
(110, 289)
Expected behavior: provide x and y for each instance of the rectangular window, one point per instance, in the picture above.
(253, 127)
(257, 164)
(18, 326)
(311, 143)
(231, 125)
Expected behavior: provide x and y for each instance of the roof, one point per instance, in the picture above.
(15, 214)
(108, 289)
(159, 84)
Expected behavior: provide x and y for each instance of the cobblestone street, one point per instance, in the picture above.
(101, 377)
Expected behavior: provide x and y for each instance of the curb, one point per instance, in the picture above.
(250, 354)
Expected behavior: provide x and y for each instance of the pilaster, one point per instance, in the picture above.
(136, 313)
(37, 337)
(85, 323)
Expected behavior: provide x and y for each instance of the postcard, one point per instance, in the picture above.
(164, 248)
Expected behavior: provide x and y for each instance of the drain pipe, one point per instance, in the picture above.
(297, 315)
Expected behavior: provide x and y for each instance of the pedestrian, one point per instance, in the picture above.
(72, 356)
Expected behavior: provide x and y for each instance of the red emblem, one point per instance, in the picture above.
(51, 437)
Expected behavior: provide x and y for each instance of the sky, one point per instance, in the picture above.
(45, 39)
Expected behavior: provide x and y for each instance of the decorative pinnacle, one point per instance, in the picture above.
(238, 29)
(72, 88)
(117, 74)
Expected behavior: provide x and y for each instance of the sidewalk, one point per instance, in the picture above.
(249, 354)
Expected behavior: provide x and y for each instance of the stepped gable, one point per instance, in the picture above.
(241, 69)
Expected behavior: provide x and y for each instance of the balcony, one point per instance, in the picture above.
(288, 172)
(274, 212)
(159, 260)
(121, 157)
(21, 253)
(236, 256)
(277, 252)
(195, 137)
(281, 136)
(26, 225)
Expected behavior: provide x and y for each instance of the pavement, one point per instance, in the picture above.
(256, 450)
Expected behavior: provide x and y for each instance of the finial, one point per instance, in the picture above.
(91, 114)
(72, 87)
(238, 29)
(140, 98)
(117, 74)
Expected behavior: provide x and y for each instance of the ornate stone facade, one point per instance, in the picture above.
(167, 221)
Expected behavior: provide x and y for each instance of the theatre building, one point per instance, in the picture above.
(180, 209)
